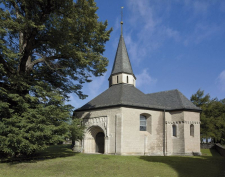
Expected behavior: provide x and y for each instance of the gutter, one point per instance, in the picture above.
(138, 107)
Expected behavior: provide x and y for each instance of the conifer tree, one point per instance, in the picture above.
(48, 49)
(212, 116)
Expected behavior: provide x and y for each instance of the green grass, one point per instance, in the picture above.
(60, 161)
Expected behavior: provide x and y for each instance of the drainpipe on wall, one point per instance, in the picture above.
(164, 133)
(115, 134)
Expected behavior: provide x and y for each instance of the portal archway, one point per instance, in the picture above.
(94, 141)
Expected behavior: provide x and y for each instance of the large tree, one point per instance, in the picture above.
(48, 49)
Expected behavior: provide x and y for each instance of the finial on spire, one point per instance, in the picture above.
(121, 21)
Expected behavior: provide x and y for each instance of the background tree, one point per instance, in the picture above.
(212, 117)
(76, 130)
(48, 49)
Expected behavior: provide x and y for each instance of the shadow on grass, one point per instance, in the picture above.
(54, 151)
(206, 166)
(214, 152)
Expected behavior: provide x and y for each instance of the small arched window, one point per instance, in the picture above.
(191, 130)
(142, 123)
(127, 79)
(174, 127)
(117, 79)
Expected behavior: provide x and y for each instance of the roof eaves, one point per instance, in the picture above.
(139, 107)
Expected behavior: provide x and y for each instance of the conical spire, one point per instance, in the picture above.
(122, 72)
(122, 61)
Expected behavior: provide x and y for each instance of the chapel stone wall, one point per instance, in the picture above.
(123, 136)
(177, 118)
(136, 142)
(184, 143)
(192, 143)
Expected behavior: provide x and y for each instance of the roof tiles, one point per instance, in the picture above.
(122, 61)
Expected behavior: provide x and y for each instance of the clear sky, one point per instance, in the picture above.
(172, 44)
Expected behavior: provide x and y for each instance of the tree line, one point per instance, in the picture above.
(212, 117)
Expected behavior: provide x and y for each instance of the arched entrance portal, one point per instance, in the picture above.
(100, 142)
(94, 141)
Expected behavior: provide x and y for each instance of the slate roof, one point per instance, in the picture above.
(171, 100)
(122, 61)
(128, 95)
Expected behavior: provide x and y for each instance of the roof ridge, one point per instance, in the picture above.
(179, 98)
(182, 100)
(161, 91)
(121, 94)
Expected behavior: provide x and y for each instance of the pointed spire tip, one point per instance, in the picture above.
(121, 21)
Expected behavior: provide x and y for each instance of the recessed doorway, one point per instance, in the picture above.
(100, 142)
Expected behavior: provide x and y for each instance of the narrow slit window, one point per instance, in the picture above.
(191, 130)
(142, 123)
(117, 79)
(127, 79)
(174, 127)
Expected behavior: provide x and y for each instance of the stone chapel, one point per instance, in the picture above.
(123, 120)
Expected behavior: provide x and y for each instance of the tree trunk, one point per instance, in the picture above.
(73, 144)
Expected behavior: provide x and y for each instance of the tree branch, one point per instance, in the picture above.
(17, 8)
(43, 59)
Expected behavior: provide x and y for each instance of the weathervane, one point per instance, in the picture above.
(121, 21)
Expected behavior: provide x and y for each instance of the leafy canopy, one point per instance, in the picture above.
(48, 49)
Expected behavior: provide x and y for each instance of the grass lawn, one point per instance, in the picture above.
(61, 161)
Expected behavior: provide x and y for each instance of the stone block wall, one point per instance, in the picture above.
(192, 143)
(136, 142)
(207, 145)
(183, 143)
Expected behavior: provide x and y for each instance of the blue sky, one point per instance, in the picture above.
(172, 44)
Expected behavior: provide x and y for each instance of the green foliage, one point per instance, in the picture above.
(32, 124)
(212, 116)
(199, 99)
(76, 130)
(57, 41)
(48, 49)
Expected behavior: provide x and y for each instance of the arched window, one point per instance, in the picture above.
(127, 79)
(191, 130)
(174, 127)
(142, 123)
(117, 79)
